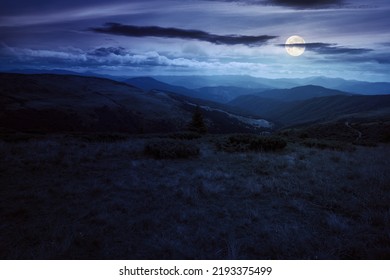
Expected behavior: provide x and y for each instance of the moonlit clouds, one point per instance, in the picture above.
(190, 36)
(115, 56)
(296, 4)
(329, 49)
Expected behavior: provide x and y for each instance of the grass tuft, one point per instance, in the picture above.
(171, 149)
(250, 142)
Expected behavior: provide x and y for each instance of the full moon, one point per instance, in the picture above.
(295, 49)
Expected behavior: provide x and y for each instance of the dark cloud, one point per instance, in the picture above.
(296, 4)
(306, 3)
(325, 48)
(107, 51)
(157, 31)
(383, 59)
(17, 7)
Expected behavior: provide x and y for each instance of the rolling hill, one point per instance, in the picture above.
(300, 93)
(148, 84)
(309, 104)
(254, 104)
(242, 81)
(224, 94)
(220, 94)
(68, 103)
(353, 86)
(333, 108)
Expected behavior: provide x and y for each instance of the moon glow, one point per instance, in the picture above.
(295, 49)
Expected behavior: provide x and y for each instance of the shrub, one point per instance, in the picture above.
(19, 137)
(170, 149)
(326, 144)
(185, 135)
(303, 135)
(103, 137)
(386, 137)
(250, 142)
(197, 123)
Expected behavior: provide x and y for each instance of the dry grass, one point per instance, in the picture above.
(63, 197)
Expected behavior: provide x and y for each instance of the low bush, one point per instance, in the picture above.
(250, 142)
(170, 149)
(19, 137)
(386, 137)
(102, 137)
(185, 135)
(327, 144)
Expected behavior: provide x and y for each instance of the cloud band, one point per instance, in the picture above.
(325, 48)
(162, 32)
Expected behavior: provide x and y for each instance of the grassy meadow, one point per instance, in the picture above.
(89, 197)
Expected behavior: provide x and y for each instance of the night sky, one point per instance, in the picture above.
(344, 38)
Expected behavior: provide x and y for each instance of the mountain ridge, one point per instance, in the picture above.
(194, 82)
(70, 103)
(300, 93)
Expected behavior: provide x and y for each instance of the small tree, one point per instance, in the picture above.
(197, 123)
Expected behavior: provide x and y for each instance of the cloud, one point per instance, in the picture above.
(18, 7)
(382, 59)
(328, 49)
(306, 4)
(186, 34)
(378, 58)
(117, 58)
(106, 51)
(102, 56)
(336, 53)
(296, 4)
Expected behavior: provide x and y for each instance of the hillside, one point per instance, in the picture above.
(148, 84)
(360, 87)
(195, 82)
(300, 93)
(242, 81)
(255, 104)
(310, 104)
(67, 103)
(250, 82)
(224, 94)
(332, 108)
(220, 94)
(74, 103)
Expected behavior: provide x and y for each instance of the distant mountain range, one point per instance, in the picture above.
(352, 86)
(148, 84)
(225, 94)
(300, 93)
(221, 94)
(302, 104)
(312, 104)
(188, 82)
(333, 108)
(248, 82)
(63, 102)
(240, 81)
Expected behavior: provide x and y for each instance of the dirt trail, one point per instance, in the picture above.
(357, 131)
